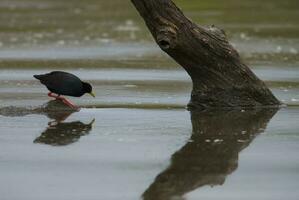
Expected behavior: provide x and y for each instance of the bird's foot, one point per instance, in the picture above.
(69, 103)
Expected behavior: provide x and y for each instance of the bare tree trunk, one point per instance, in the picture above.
(220, 78)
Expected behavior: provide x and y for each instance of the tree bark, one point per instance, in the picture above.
(220, 78)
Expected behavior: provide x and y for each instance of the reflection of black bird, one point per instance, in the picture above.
(56, 110)
(63, 83)
(57, 132)
(211, 153)
(64, 133)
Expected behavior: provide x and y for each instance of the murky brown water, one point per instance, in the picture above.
(136, 140)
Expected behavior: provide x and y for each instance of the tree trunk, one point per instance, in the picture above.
(220, 79)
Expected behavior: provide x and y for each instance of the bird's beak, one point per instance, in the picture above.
(92, 94)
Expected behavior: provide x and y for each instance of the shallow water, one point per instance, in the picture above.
(136, 140)
(157, 154)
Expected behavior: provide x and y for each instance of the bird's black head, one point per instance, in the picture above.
(87, 88)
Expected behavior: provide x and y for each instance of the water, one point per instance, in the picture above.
(136, 140)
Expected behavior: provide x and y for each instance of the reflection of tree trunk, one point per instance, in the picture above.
(211, 154)
(220, 78)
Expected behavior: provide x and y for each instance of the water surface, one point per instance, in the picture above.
(136, 140)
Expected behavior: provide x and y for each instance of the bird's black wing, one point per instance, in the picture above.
(61, 83)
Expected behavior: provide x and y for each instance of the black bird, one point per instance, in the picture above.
(63, 83)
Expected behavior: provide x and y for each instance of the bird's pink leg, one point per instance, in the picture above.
(50, 94)
(64, 100)
(68, 102)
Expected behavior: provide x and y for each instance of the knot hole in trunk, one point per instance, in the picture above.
(166, 38)
(164, 43)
